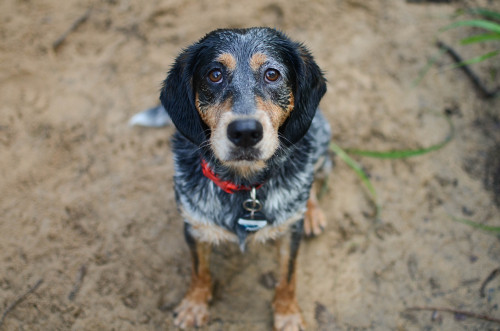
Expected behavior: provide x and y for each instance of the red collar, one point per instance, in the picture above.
(225, 185)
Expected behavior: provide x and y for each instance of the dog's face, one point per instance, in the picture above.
(243, 93)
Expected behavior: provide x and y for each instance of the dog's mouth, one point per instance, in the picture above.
(246, 161)
(245, 154)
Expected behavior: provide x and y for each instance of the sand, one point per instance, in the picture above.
(87, 204)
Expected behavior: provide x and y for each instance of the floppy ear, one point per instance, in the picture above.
(177, 97)
(310, 88)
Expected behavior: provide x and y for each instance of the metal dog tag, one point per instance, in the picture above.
(252, 221)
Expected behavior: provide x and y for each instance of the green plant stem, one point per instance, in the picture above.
(360, 173)
(401, 154)
(488, 228)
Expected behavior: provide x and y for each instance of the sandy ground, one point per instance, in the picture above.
(87, 206)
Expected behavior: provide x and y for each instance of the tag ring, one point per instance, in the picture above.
(252, 205)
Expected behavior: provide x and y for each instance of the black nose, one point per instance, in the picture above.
(245, 133)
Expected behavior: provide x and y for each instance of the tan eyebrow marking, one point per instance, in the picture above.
(227, 60)
(257, 60)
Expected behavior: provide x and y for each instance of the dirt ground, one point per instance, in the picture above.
(87, 205)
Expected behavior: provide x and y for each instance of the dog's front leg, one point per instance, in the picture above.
(287, 315)
(193, 310)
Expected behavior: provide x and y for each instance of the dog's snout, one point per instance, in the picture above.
(245, 133)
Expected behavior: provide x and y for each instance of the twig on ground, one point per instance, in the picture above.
(78, 283)
(457, 311)
(19, 299)
(488, 279)
(79, 21)
(483, 90)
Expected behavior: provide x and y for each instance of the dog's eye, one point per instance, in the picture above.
(272, 75)
(215, 76)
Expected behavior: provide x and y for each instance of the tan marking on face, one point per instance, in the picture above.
(227, 60)
(277, 114)
(219, 141)
(291, 104)
(212, 114)
(257, 60)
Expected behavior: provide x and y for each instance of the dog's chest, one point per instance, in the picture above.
(282, 197)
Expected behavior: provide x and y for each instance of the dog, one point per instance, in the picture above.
(249, 142)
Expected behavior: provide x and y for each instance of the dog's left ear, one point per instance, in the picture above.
(310, 88)
(177, 96)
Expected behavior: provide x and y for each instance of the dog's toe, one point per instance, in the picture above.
(289, 322)
(287, 315)
(191, 314)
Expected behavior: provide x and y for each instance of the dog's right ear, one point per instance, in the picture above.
(177, 96)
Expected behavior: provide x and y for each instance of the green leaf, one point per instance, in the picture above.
(360, 172)
(494, 229)
(486, 13)
(483, 24)
(477, 59)
(481, 38)
(428, 66)
(400, 154)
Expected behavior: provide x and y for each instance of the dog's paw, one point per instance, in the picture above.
(287, 315)
(191, 313)
(289, 322)
(314, 220)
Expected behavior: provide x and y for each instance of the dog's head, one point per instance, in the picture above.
(245, 92)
